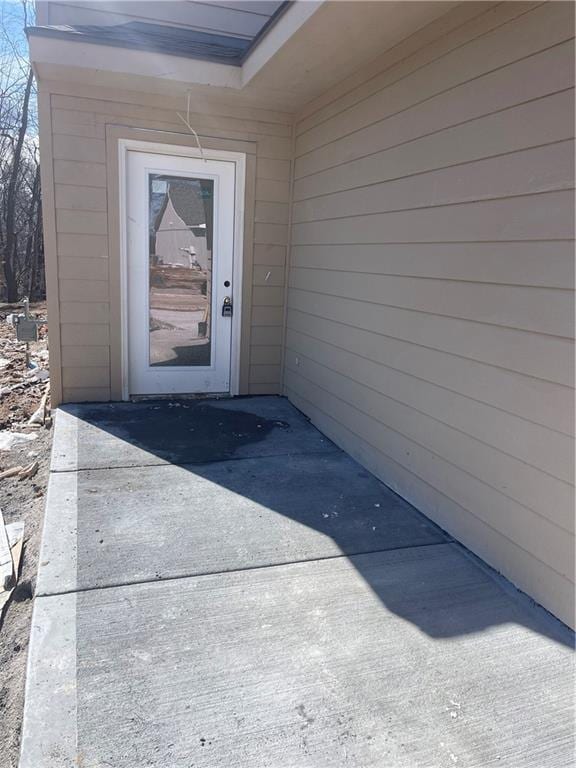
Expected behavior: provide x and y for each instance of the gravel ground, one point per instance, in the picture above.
(20, 500)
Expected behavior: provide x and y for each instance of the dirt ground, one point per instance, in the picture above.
(20, 500)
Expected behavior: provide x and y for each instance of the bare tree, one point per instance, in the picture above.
(21, 244)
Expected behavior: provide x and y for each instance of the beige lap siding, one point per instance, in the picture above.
(79, 119)
(430, 300)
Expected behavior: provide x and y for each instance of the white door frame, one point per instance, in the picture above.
(239, 158)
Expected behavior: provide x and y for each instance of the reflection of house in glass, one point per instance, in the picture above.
(181, 213)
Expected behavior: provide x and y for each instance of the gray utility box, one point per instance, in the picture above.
(26, 328)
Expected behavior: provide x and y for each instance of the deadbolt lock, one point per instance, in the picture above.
(227, 307)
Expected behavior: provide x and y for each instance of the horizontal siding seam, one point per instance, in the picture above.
(428, 171)
(427, 381)
(439, 421)
(75, 184)
(85, 365)
(177, 128)
(80, 211)
(435, 349)
(95, 130)
(79, 162)
(436, 94)
(410, 276)
(440, 242)
(72, 393)
(413, 71)
(151, 127)
(83, 209)
(476, 201)
(98, 110)
(64, 90)
(86, 387)
(440, 314)
(431, 133)
(410, 471)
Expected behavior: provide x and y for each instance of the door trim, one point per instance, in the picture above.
(239, 159)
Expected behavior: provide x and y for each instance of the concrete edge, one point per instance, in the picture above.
(50, 729)
(64, 457)
(57, 566)
(557, 627)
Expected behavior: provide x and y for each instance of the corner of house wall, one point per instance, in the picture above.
(288, 258)
(50, 242)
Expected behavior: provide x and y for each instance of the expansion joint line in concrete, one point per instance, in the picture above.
(193, 463)
(137, 582)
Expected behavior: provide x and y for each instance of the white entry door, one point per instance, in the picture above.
(180, 250)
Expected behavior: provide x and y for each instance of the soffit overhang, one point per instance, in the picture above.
(311, 47)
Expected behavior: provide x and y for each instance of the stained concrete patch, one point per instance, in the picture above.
(406, 658)
(180, 432)
(107, 527)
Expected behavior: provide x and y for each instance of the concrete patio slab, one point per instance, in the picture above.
(108, 527)
(245, 595)
(181, 432)
(407, 658)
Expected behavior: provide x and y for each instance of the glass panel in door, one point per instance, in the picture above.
(181, 213)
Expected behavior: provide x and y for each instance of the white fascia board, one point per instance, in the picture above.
(177, 69)
(106, 58)
(287, 26)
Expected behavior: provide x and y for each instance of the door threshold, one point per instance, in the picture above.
(184, 396)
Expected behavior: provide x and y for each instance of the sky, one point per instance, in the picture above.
(12, 23)
(14, 48)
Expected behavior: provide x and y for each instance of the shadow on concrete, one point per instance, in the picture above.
(288, 469)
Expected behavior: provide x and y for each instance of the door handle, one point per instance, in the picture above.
(227, 307)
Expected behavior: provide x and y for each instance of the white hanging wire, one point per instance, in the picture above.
(186, 121)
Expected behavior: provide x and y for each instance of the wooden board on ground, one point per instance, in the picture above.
(14, 534)
(6, 568)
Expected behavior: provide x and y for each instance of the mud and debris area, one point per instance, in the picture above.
(25, 441)
(21, 387)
